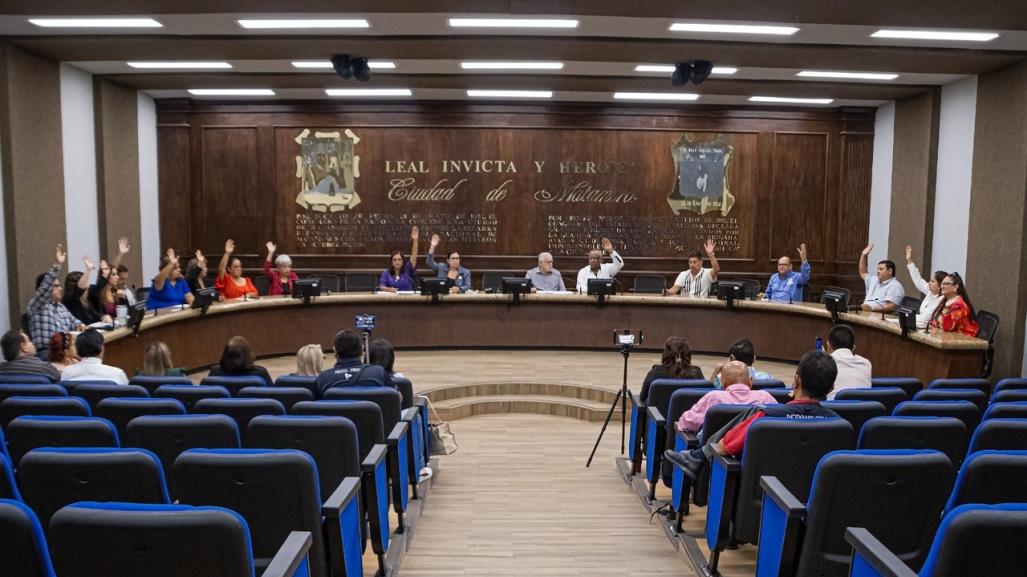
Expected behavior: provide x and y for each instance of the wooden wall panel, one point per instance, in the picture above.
(234, 199)
(855, 164)
(174, 197)
(798, 199)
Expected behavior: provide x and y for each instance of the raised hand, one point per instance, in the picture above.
(87, 263)
(271, 247)
(435, 240)
(867, 250)
(802, 251)
(710, 247)
(123, 246)
(60, 254)
(607, 245)
(229, 246)
(172, 257)
(909, 253)
(414, 233)
(200, 259)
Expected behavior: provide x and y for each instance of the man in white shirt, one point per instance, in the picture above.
(884, 292)
(695, 281)
(89, 345)
(854, 371)
(596, 269)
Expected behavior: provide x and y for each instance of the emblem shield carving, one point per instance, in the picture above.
(702, 183)
(327, 168)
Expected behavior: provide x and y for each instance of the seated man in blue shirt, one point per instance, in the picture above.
(786, 286)
(349, 369)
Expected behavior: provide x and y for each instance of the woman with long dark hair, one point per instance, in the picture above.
(676, 363)
(957, 313)
(237, 360)
(931, 289)
(450, 269)
(401, 274)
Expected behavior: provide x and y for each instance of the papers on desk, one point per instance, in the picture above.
(554, 292)
(406, 292)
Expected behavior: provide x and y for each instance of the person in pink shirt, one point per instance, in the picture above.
(734, 374)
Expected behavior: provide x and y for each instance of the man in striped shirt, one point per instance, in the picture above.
(695, 281)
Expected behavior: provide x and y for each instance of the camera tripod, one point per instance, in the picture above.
(622, 397)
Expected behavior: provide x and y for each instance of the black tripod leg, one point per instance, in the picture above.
(603, 430)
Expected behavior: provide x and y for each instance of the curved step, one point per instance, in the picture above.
(461, 407)
(578, 392)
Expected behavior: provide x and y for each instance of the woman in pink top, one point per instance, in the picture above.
(734, 374)
(280, 278)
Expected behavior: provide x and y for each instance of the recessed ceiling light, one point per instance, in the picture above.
(669, 69)
(368, 92)
(372, 64)
(96, 22)
(675, 96)
(301, 23)
(511, 65)
(510, 93)
(732, 28)
(200, 65)
(781, 99)
(853, 75)
(936, 35)
(231, 92)
(511, 23)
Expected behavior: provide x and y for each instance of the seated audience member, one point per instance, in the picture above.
(854, 371)
(741, 350)
(89, 345)
(20, 357)
(383, 355)
(62, 351)
(450, 269)
(349, 369)
(695, 281)
(956, 314)
(76, 293)
(401, 274)
(237, 360)
(109, 296)
(676, 363)
(596, 268)
(814, 380)
(786, 286)
(884, 292)
(931, 289)
(47, 315)
(309, 360)
(280, 278)
(196, 272)
(738, 392)
(157, 361)
(230, 282)
(169, 288)
(544, 277)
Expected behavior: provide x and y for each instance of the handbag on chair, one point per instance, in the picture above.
(443, 441)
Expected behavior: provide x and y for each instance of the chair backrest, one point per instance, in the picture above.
(1011, 383)
(847, 294)
(788, 449)
(242, 410)
(890, 397)
(93, 394)
(856, 413)
(965, 411)
(23, 548)
(680, 401)
(975, 396)
(24, 379)
(121, 411)
(72, 385)
(331, 441)
(909, 384)
(151, 384)
(29, 390)
(987, 325)
(309, 383)
(492, 280)
(945, 434)
(188, 395)
(389, 400)
(1000, 435)
(650, 284)
(329, 282)
(751, 287)
(768, 384)
(780, 395)
(1009, 395)
(365, 415)
(874, 489)
(168, 435)
(31, 432)
(287, 396)
(1010, 410)
(234, 383)
(14, 407)
(660, 391)
(991, 477)
(8, 486)
(406, 390)
(130, 540)
(276, 491)
(54, 477)
(261, 283)
(980, 384)
(361, 282)
(978, 540)
(911, 302)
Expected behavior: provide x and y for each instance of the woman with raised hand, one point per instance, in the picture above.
(931, 289)
(76, 288)
(450, 269)
(169, 287)
(280, 278)
(401, 274)
(956, 314)
(196, 272)
(231, 284)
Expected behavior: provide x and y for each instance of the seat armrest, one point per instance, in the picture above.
(690, 439)
(347, 490)
(409, 415)
(870, 558)
(374, 456)
(781, 528)
(782, 497)
(655, 416)
(731, 464)
(725, 471)
(397, 432)
(290, 556)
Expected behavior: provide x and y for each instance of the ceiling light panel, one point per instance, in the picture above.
(510, 93)
(293, 24)
(512, 23)
(669, 68)
(231, 92)
(936, 35)
(495, 65)
(96, 22)
(787, 100)
(666, 96)
(704, 28)
(327, 64)
(357, 92)
(848, 75)
(180, 65)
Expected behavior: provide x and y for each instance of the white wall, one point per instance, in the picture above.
(149, 211)
(81, 217)
(955, 164)
(5, 305)
(880, 183)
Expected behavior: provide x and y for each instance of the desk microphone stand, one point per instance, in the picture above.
(622, 397)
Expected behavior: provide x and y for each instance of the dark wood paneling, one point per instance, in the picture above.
(174, 195)
(855, 167)
(236, 202)
(798, 198)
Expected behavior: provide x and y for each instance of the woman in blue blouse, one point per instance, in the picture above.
(401, 274)
(450, 269)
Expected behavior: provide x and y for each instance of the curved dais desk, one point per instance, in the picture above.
(279, 326)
